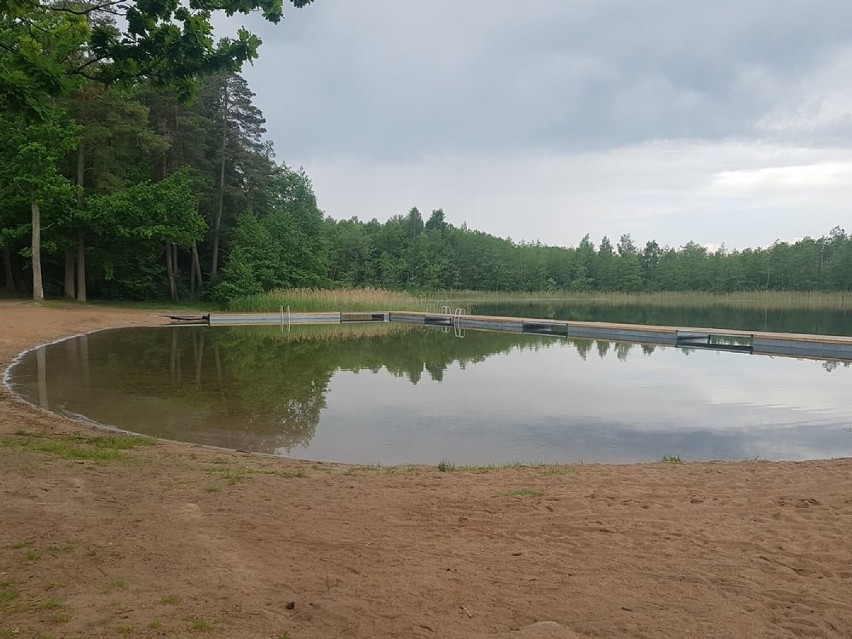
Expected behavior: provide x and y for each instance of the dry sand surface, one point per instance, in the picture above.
(173, 540)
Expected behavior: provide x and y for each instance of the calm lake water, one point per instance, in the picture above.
(393, 394)
(813, 321)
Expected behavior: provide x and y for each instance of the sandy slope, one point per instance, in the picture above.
(179, 541)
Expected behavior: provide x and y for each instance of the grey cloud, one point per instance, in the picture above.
(393, 79)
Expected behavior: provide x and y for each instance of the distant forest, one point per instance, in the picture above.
(123, 186)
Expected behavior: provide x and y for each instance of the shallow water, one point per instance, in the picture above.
(393, 394)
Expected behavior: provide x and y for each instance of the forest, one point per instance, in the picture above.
(133, 166)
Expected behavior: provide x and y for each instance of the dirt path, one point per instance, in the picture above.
(171, 540)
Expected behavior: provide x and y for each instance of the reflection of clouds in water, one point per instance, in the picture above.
(550, 405)
(806, 442)
(778, 382)
(467, 439)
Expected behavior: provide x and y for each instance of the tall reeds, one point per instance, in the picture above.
(346, 300)
(373, 299)
(743, 299)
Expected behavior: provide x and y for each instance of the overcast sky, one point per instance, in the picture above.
(676, 120)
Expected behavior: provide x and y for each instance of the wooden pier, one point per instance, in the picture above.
(757, 342)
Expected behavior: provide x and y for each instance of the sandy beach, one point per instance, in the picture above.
(176, 540)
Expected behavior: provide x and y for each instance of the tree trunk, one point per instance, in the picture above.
(81, 237)
(196, 266)
(217, 226)
(84, 358)
(38, 288)
(69, 273)
(170, 271)
(81, 267)
(175, 268)
(41, 374)
(7, 267)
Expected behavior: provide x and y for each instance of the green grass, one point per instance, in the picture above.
(62, 617)
(234, 476)
(200, 624)
(7, 592)
(448, 467)
(523, 492)
(556, 469)
(34, 554)
(171, 600)
(119, 583)
(78, 447)
(51, 603)
(375, 468)
(299, 473)
(364, 468)
(55, 583)
(671, 459)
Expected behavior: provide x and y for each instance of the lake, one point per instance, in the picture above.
(398, 394)
(817, 321)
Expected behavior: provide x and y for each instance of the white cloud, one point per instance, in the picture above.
(719, 122)
(734, 193)
(813, 177)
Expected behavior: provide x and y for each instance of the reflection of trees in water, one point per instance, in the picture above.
(256, 388)
(620, 349)
(290, 373)
(583, 347)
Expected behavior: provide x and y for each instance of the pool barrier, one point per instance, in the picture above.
(756, 342)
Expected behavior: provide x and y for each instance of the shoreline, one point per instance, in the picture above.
(169, 538)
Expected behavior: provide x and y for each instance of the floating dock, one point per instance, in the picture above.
(285, 318)
(757, 342)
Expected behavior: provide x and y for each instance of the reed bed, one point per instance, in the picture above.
(840, 300)
(373, 299)
(346, 300)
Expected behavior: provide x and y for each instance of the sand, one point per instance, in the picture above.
(176, 540)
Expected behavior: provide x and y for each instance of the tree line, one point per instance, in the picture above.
(407, 252)
(133, 165)
(129, 147)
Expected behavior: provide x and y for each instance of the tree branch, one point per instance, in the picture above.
(103, 6)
